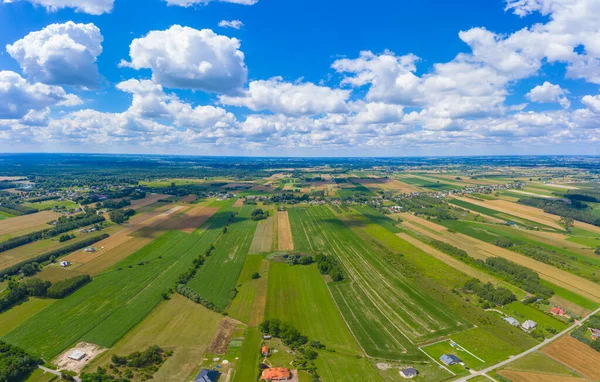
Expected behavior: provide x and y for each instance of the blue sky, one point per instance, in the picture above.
(297, 77)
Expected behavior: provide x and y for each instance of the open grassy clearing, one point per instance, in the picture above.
(217, 277)
(179, 325)
(263, 237)
(50, 204)
(298, 294)
(115, 301)
(575, 355)
(250, 290)
(385, 310)
(482, 250)
(334, 367)
(15, 316)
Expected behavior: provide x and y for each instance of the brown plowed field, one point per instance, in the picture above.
(284, 232)
(575, 355)
(191, 220)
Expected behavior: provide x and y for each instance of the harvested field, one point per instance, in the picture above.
(188, 198)
(384, 184)
(150, 199)
(284, 232)
(191, 220)
(521, 211)
(482, 250)
(575, 355)
(263, 237)
(424, 222)
(239, 202)
(223, 337)
(19, 223)
(523, 376)
(451, 261)
(257, 314)
(90, 350)
(54, 273)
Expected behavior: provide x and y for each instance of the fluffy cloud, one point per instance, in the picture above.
(60, 54)
(189, 3)
(187, 58)
(18, 97)
(235, 24)
(93, 7)
(302, 98)
(592, 103)
(549, 93)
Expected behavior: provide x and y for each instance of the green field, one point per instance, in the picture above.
(117, 300)
(241, 306)
(434, 186)
(248, 363)
(298, 295)
(15, 316)
(333, 367)
(217, 277)
(387, 312)
(50, 204)
(438, 349)
(178, 325)
(5, 215)
(525, 312)
(539, 363)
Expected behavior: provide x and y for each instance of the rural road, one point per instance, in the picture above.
(55, 372)
(535, 348)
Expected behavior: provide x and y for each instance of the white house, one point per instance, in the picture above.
(529, 325)
(64, 264)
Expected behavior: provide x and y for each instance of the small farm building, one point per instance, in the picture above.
(450, 359)
(207, 376)
(77, 355)
(276, 374)
(408, 373)
(512, 321)
(64, 264)
(264, 350)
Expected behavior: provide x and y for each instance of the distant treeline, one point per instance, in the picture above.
(66, 225)
(50, 256)
(43, 199)
(576, 210)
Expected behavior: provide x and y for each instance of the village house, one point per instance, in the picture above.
(529, 325)
(595, 333)
(450, 359)
(207, 376)
(408, 373)
(264, 350)
(557, 311)
(276, 374)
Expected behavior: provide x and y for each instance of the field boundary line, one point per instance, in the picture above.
(442, 366)
(462, 347)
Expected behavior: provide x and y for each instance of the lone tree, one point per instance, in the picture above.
(567, 222)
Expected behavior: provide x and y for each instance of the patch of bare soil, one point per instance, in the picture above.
(86, 350)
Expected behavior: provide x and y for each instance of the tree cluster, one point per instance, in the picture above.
(15, 363)
(259, 214)
(121, 216)
(285, 331)
(487, 291)
(63, 288)
(576, 210)
(328, 265)
(188, 292)
(294, 259)
(17, 292)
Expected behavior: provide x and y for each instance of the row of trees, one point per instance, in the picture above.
(62, 227)
(16, 209)
(31, 266)
(576, 210)
(63, 288)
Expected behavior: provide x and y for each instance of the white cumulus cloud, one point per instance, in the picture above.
(235, 24)
(187, 58)
(303, 98)
(92, 7)
(549, 93)
(18, 97)
(60, 54)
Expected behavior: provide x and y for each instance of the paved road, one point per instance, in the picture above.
(535, 348)
(55, 372)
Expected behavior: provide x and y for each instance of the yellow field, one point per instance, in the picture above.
(19, 223)
(576, 356)
(257, 314)
(284, 232)
(150, 199)
(375, 184)
(262, 242)
(481, 250)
